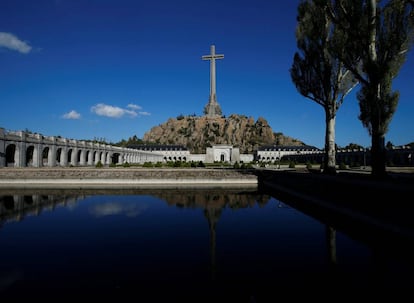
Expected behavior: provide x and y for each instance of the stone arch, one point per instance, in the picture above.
(94, 157)
(59, 156)
(78, 157)
(107, 157)
(70, 152)
(45, 156)
(12, 155)
(29, 160)
(222, 157)
(115, 158)
(88, 157)
(98, 157)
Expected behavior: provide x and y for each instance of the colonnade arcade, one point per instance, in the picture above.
(24, 149)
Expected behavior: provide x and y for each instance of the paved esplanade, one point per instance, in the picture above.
(212, 109)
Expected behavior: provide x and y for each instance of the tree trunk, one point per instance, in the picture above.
(330, 152)
(378, 156)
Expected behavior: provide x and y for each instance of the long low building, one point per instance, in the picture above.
(26, 149)
(23, 149)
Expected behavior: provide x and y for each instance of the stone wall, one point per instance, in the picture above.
(123, 177)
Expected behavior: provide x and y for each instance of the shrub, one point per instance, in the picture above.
(147, 164)
(201, 164)
(99, 164)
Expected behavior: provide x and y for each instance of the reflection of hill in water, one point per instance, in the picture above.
(214, 199)
(15, 205)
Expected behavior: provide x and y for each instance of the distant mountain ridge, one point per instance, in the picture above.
(198, 133)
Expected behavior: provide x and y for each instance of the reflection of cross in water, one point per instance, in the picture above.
(212, 215)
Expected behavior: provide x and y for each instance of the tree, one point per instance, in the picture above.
(353, 146)
(389, 145)
(317, 73)
(373, 43)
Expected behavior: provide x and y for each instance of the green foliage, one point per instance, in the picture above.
(147, 164)
(318, 73)
(292, 164)
(99, 164)
(177, 164)
(353, 146)
(134, 140)
(126, 164)
(201, 164)
(373, 42)
(246, 166)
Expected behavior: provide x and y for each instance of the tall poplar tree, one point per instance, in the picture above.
(317, 73)
(375, 37)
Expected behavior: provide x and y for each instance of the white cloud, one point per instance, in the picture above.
(74, 115)
(117, 208)
(134, 106)
(132, 113)
(110, 111)
(10, 41)
(144, 113)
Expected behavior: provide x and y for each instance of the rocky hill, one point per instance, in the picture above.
(197, 133)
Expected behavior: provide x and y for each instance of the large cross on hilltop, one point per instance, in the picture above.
(212, 109)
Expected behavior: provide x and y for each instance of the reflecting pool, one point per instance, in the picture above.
(182, 245)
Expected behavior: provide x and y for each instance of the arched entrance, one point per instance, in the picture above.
(11, 155)
(45, 156)
(29, 155)
(58, 156)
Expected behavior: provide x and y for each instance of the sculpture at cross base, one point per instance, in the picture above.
(212, 109)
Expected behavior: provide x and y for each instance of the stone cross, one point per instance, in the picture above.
(212, 108)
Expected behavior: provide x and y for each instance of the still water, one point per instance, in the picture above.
(182, 245)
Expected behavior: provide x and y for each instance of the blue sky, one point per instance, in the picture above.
(86, 69)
